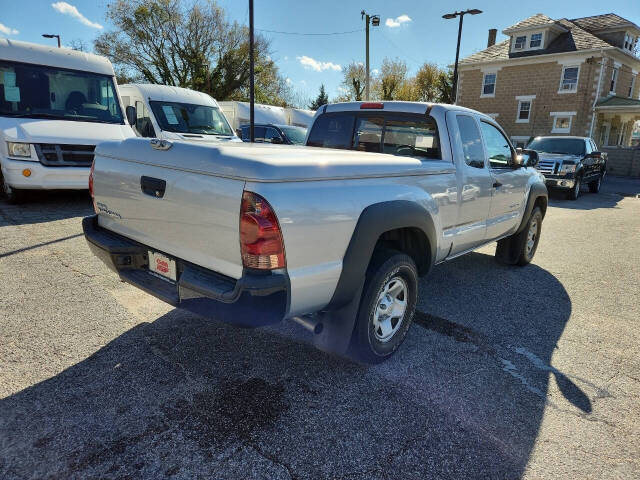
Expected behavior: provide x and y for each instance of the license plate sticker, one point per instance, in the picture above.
(162, 265)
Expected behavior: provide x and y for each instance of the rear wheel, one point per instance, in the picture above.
(386, 308)
(574, 193)
(594, 187)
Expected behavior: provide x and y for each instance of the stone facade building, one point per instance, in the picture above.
(564, 77)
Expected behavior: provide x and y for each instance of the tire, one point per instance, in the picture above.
(377, 336)
(13, 196)
(520, 248)
(574, 193)
(594, 187)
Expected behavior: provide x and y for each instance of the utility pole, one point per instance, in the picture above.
(375, 21)
(449, 16)
(251, 79)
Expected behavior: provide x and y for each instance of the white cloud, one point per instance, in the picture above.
(8, 30)
(312, 64)
(396, 22)
(68, 9)
(375, 71)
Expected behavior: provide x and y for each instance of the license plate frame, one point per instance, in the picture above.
(162, 265)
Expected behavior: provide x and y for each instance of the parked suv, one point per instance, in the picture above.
(271, 133)
(570, 162)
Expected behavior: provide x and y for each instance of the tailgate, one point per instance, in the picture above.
(186, 214)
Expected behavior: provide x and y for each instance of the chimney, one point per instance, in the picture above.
(492, 37)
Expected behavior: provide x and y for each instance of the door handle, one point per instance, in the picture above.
(496, 184)
(154, 187)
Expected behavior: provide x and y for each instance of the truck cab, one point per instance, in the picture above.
(175, 113)
(56, 105)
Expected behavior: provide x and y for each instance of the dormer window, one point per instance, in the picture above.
(536, 40)
(520, 42)
(629, 42)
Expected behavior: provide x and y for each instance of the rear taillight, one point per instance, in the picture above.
(260, 236)
(91, 186)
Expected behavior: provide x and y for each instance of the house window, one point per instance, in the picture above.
(569, 80)
(489, 85)
(629, 42)
(562, 121)
(520, 42)
(633, 83)
(536, 40)
(524, 111)
(614, 80)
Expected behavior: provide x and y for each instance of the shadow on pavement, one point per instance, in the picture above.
(46, 206)
(186, 397)
(612, 191)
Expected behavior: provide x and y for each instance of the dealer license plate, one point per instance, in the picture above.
(162, 265)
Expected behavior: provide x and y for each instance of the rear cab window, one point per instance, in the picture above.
(382, 132)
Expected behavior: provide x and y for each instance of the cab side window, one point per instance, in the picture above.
(498, 148)
(471, 141)
(411, 137)
(143, 123)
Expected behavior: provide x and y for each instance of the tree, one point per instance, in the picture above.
(427, 82)
(393, 74)
(353, 82)
(321, 99)
(445, 86)
(78, 45)
(188, 44)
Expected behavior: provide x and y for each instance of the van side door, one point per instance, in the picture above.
(474, 183)
(508, 182)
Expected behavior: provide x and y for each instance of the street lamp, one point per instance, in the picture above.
(450, 16)
(50, 35)
(375, 21)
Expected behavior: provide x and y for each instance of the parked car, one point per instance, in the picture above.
(269, 133)
(175, 113)
(238, 114)
(56, 105)
(570, 162)
(332, 239)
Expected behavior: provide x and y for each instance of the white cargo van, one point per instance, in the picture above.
(238, 114)
(175, 113)
(56, 105)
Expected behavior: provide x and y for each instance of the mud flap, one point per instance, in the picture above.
(337, 326)
(507, 249)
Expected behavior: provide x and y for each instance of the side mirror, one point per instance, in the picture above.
(528, 158)
(276, 140)
(131, 114)
(519, 150)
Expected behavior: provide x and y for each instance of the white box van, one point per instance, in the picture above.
(175, 113)
(56, 105)
(238, 114)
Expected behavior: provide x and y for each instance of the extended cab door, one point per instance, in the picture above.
(474, 185)
(508, 182)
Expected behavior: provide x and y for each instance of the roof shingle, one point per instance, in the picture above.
(602, 22)
(539, 19)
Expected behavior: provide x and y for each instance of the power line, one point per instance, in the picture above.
(400, 50)
(309, 34)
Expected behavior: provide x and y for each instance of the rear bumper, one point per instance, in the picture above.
(254, 300)
(44, 178)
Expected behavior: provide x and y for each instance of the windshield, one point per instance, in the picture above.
(190, 118)
(570, 146)
(295, 134)
(37, 91)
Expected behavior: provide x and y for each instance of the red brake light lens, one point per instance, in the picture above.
(371, 105)
(91, 186)
(260, 236)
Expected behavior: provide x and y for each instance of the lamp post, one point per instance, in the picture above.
(375, 21)
(50, 35)
(252, 137)
(449, 16)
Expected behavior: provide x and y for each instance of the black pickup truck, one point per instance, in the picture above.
(570, 162)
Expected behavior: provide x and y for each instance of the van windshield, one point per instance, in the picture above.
(190, 118)
(38, 91)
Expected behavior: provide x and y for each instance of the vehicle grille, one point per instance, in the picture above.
(547, 166)
(54, 155)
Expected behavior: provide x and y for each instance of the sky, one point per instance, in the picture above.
(412, 30)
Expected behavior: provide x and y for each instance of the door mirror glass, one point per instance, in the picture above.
(131, 114)
(526, 158)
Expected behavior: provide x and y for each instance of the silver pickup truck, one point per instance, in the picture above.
(333, 239)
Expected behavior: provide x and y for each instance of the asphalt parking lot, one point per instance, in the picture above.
(507, 373)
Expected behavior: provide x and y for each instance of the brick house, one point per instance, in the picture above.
(565, 77)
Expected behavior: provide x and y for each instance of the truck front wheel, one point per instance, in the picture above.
(11, 194)
(387, 306)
